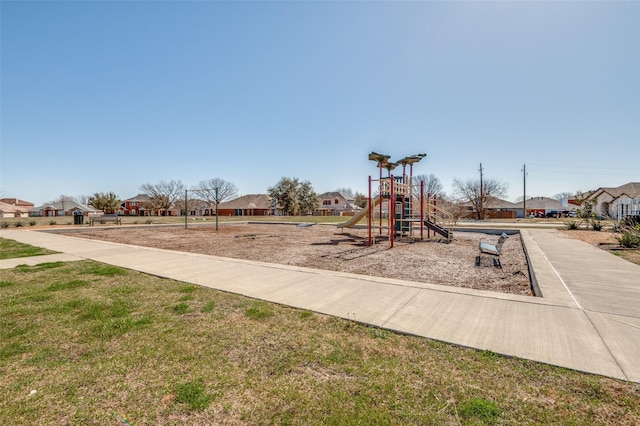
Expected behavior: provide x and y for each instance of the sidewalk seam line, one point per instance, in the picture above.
(562, 280)
(613, 357)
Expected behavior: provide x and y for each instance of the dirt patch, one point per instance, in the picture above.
(606, 241)
(433, 261)
(592, 237)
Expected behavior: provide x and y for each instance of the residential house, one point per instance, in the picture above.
(8, 210)
(335, 204)
(617, 203)
(546, 207)
(135, 206)
(197, 207)
(14, 207)
(247, 205)
(63, 208)
(495, 208)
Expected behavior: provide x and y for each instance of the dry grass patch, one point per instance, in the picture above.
(115, 350)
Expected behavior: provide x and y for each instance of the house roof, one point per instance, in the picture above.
(495, 203)
(543, 203)
(10, 208)
(139, 197)
(332, 195)
(631, 189)
(66, 206)
(16, 202)
(249, 201)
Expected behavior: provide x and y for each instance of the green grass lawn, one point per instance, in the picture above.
(11, 249)
(88, 343)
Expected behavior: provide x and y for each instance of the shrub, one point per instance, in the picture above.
(630, 237)
(573, 225)
(149, 222)
(52, 222)
(596, 225)
(33, 222)
(19, 224)
(4, 225)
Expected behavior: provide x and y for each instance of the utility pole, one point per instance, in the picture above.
(524, 183)
(480, 212)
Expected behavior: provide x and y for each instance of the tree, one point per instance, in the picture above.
(163, 195)
(216, 191)
(361, 200)
(347, 192)
(63, 199)
(108, 202)
(585, 211)
(480, 193)
(432, 185)
(562, 196)
(294, 197)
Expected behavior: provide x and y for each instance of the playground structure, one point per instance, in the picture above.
(407, 204)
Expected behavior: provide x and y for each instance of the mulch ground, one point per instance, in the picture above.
(433, 260)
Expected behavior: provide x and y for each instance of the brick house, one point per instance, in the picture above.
(135, 206)
(247, 205)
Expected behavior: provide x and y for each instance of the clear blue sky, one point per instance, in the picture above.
(106, 96)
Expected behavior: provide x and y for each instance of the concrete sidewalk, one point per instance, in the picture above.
(588, 318)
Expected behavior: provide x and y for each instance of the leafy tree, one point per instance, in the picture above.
(163, 195)
(361, 200)
(294, 197)
(479, 193)
(108, 202)
(215, 191)
(585, 211)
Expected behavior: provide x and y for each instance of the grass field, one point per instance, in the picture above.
(89, 343)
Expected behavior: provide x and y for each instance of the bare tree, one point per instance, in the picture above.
(163, 195)
(562, 196)
(479, 193)
(215, 191)
(347, 192)
(432, 185)
(63, 199)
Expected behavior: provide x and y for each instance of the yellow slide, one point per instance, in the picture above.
(356, 218)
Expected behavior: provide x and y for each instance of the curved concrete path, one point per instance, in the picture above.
(588, 318)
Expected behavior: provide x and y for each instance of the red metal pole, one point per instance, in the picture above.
(421, 210)
(429, 213)
(381, 198)
(370, 207)
(435, 209)
(392, 211)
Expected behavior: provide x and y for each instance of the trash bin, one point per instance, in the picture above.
(78, 217)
